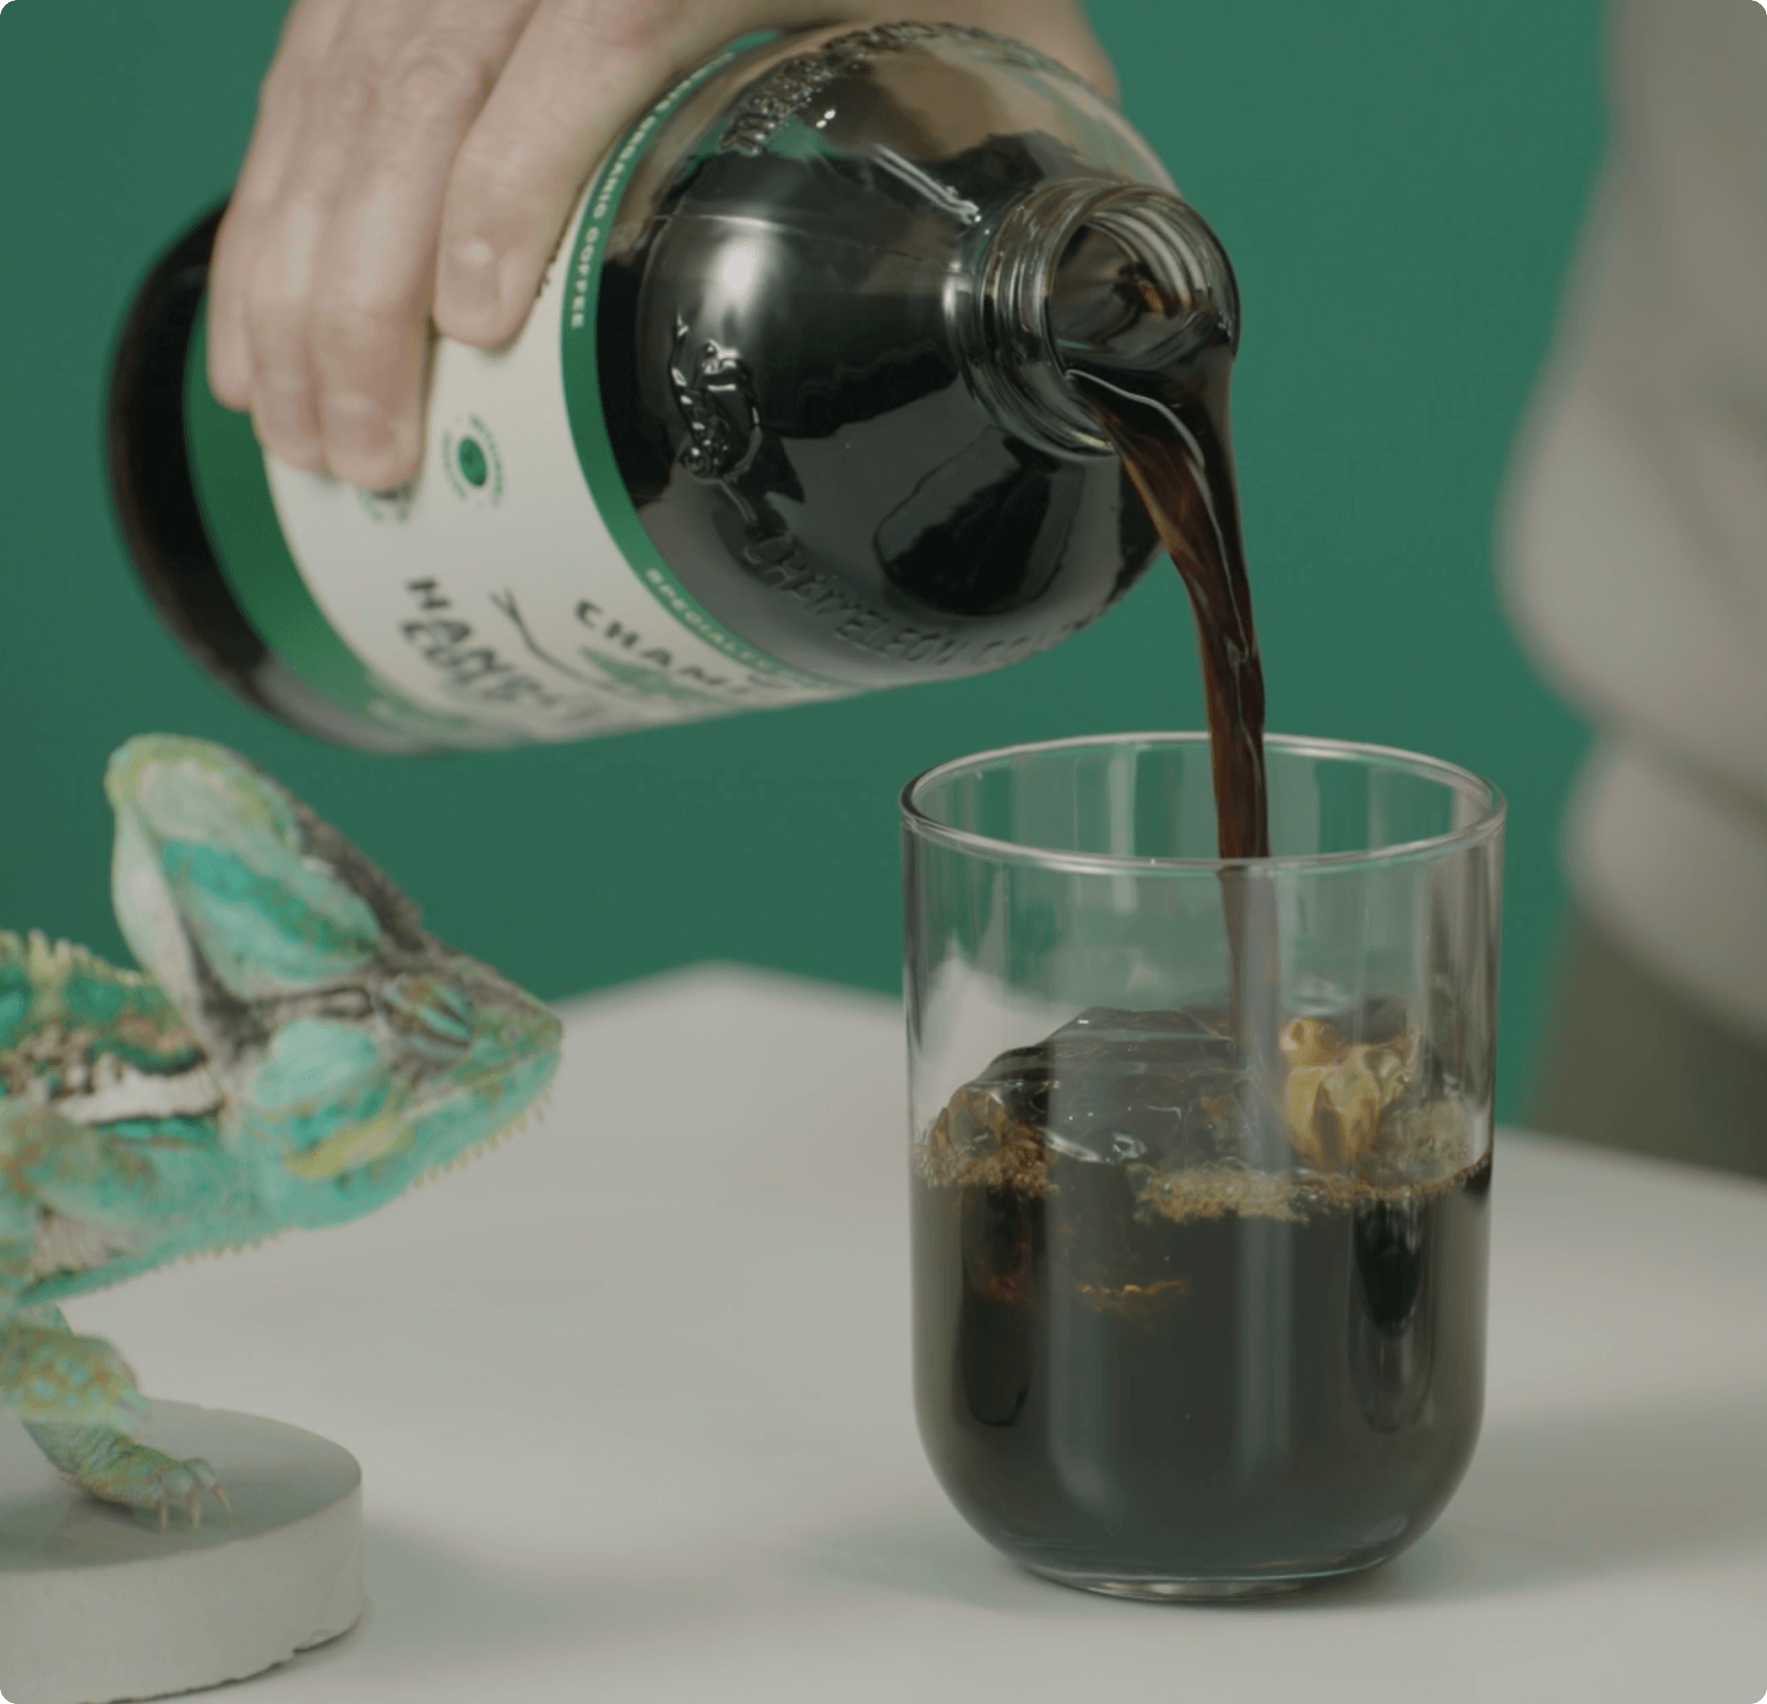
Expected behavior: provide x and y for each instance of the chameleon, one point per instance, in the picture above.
(294, 1052)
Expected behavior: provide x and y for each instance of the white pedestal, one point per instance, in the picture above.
(97, 1604)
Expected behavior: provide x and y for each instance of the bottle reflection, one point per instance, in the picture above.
(1392, 1321)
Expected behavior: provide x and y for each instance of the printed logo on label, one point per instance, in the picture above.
(471, 464)
(384, 507)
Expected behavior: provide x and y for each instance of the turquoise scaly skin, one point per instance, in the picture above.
(298, 1052)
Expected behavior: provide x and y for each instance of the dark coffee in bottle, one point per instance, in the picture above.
(785, 424)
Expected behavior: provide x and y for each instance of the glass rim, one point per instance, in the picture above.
(1493, 809)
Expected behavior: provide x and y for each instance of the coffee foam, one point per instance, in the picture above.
(1420, 1150)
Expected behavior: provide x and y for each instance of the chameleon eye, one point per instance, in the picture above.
(430, 1014)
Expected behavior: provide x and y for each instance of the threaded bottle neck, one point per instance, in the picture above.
(1094, 274)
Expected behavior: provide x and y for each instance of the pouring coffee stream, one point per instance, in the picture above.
(1143, 317)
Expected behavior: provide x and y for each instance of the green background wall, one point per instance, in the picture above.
(1399, 185)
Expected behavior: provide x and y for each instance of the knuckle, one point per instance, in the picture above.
(489, 178)
(274, 312)
(344, 325)
(436, 80)
(345, 90)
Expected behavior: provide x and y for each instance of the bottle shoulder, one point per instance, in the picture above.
(786, 367)
(910, 136)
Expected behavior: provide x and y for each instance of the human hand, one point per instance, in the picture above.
(416, 160)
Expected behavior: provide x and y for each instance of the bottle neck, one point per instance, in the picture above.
(1091, 276)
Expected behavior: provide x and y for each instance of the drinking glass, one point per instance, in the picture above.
(1201, 1155)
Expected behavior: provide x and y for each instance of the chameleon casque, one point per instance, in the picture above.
(298, 1052)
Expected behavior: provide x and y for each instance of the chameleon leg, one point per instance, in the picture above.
(76, 1395)
(50, 1376)
(103, 1460)
(47, 1374)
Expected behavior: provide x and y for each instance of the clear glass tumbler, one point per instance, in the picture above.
(1201, 1156)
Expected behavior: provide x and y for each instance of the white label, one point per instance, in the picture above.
(491, 588)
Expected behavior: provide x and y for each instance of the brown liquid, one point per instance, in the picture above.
(1170, 426)
(1166, 413)
(1135, 1359)
(1176, 450)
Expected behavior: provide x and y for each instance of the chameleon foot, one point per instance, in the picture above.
(115, 1469)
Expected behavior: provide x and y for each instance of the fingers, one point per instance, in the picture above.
(323, 278)
(284, 262)
(306, 34)
(580, 72)
(369, 310)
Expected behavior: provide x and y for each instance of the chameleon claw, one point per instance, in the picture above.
(193, 1502)
(162, 1509)
(221, 1498)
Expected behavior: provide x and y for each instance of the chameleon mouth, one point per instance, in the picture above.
(533, 1113)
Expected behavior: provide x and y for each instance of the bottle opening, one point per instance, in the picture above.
(1097, 275)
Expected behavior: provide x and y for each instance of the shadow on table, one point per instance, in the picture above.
(1548, 1500)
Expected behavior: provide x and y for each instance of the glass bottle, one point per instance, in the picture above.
(788, 421)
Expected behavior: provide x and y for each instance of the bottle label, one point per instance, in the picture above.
(510, 592)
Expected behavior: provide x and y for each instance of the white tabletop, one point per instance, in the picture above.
(631, 1397)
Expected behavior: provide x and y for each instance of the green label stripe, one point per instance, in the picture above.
(582, 390)
(233, 492)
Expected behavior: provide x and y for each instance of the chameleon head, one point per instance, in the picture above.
(345, 1116)
(231, 893)
(354, 1050)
